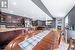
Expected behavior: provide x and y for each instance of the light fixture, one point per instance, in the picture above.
(11, 11)
(14, 3)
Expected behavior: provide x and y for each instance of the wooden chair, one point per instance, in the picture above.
(70, 44)
(13, 45)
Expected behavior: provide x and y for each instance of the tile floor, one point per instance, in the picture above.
(63, 46)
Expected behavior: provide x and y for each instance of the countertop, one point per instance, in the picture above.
(9, 29)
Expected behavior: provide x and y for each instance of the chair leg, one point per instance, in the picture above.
(70, 44)
(74, 44)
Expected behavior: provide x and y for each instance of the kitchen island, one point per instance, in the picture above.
(8, 34)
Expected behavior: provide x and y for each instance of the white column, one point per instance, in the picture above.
(60, 22)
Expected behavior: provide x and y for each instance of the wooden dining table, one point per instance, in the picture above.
(51, 41)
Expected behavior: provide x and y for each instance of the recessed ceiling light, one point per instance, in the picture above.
(14, 3)
(11, 11)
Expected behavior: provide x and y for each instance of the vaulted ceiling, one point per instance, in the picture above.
(48, 8)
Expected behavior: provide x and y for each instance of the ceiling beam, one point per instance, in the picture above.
(69, 11)
(42, 7)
